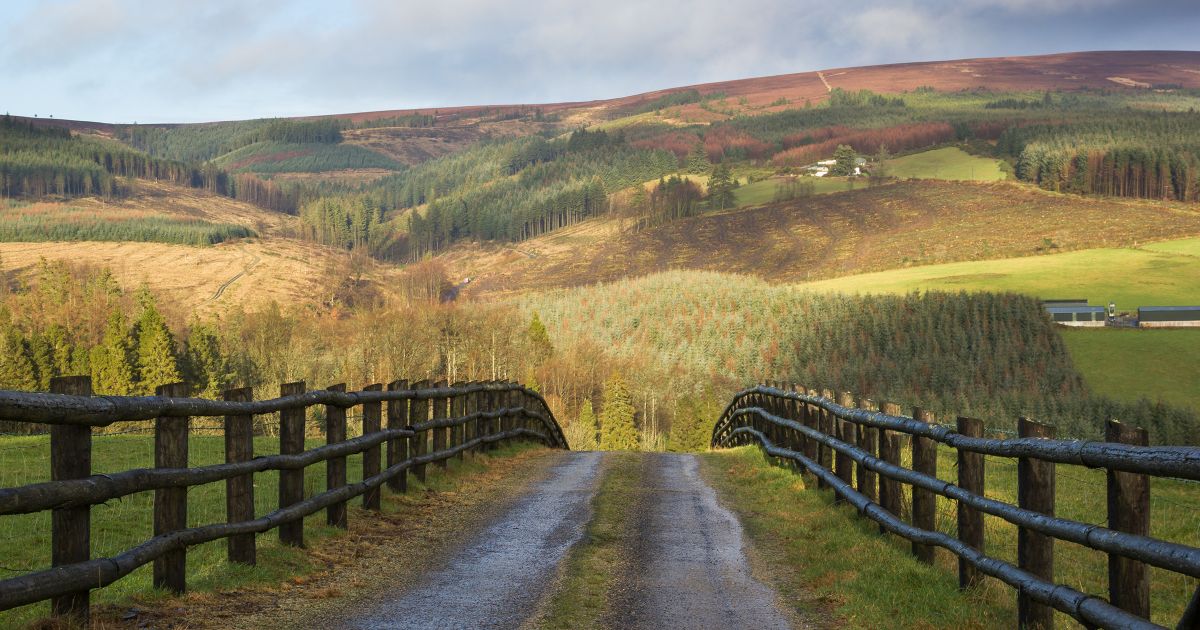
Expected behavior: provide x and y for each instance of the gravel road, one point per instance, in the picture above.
(497, 581)
(689, 567)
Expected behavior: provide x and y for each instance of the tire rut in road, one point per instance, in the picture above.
(497, 580)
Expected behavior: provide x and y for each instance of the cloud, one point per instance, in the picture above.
(182, 60)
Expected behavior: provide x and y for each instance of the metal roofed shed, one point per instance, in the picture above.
(1168, 316)
(1078, 315)
(1049, 303)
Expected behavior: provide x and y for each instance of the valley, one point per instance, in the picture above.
(883, 235)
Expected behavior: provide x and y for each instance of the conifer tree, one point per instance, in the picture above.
(156, 360)
(720, 187)
(540, 347)
(586, 435)
(697, 159)
(112, 361)
(617, 431)
(16, 366)
(207, 366)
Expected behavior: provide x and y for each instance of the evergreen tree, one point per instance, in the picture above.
(207, 366)
(112, 363)
(586, 432)
(720, 188)
(41, 352)
(846, 158)
(16, 366)
(697, 159)
(540, 347)
(617, 430)
(156, 360)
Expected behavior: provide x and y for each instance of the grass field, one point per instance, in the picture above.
(120, 524)
(817, 550)
(949, 163)
(1130, 364)
(1165, 274)
(763, 192)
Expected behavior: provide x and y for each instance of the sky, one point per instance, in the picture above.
(189, 61)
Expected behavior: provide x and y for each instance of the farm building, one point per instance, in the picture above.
(1168, 316)
(1064, 302)
(1078, 315)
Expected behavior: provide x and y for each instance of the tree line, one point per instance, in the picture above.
(1136, 154)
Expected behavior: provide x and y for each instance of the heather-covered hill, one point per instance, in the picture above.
(886, 227)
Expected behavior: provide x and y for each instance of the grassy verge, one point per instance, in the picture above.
(827, 562)
(582, 595)
(817, 547)
(120, 524)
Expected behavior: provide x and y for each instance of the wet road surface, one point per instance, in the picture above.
(690, 570)
(497, 580)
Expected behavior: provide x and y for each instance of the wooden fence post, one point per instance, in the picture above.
(808, 418)
(828, 427)
(889, 451)
(335, 467)
(970, 520)
(372, 422)
(397, 449)
(868, 440)
(924, 502)
(1128, 511)
(457, 405)
(469, 407)
(510, 402)
(239, 491)
(71, 528)
(1035, 550)
(170, 504)
(291, 482)
(439, 433)
(487, 402)
(419, 443)
(846, 433)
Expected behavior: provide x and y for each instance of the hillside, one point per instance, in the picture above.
(272, 266)
(900, 225)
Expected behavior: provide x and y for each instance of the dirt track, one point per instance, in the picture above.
(497, 580)
(688, 568)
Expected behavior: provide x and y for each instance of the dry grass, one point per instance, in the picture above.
(190, 279)
(889, 227)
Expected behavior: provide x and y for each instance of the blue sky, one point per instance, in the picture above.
(187, 61)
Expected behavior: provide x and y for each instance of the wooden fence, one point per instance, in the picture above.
(856, 451)
(425, 424)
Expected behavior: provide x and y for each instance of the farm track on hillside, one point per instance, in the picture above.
(234, 278)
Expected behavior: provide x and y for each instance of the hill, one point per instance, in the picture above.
(907, 224)
(1114, 70)
(271, 266)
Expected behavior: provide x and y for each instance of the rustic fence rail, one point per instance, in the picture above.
(843, 442)
(458, 419)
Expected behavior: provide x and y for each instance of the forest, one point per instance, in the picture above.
(673, 347)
